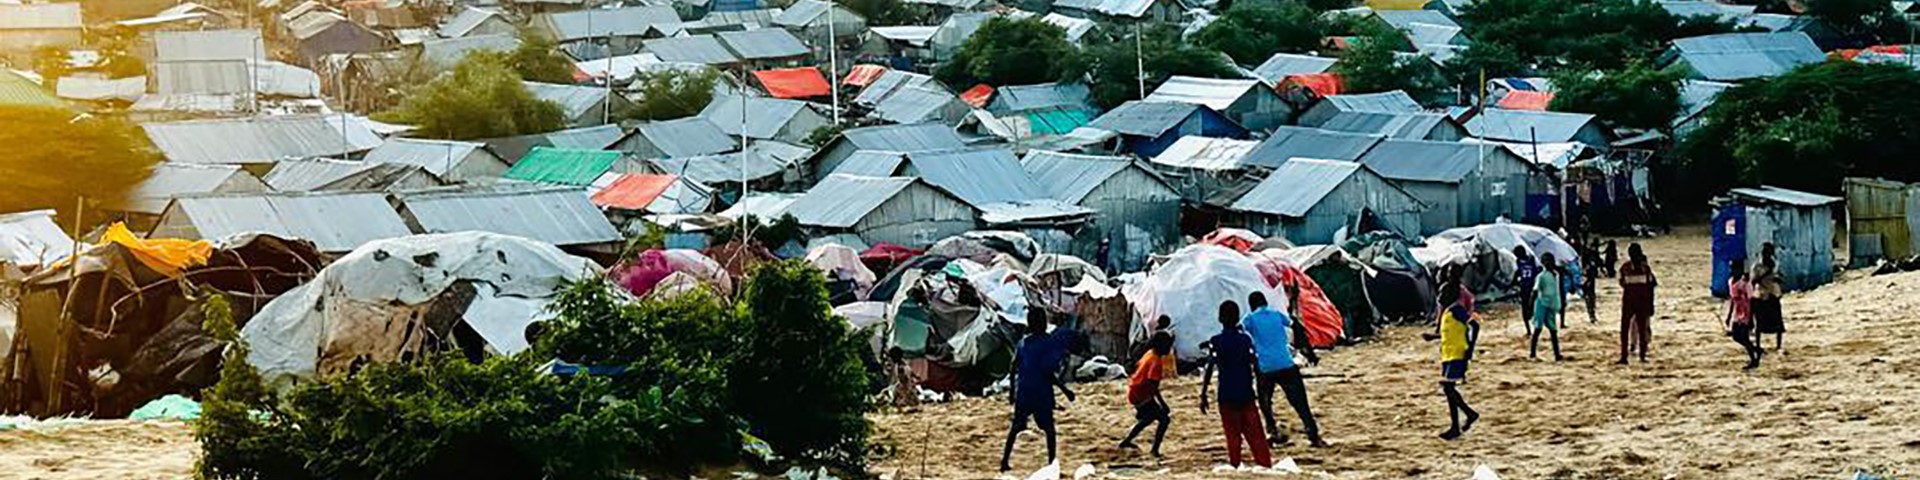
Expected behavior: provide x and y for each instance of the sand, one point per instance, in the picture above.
(1844, 396)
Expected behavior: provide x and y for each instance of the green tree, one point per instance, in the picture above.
(1852, 16)
(537, 60)
(480, 98)
(799, 378)
(1111, 69)
(882, 13)
(670, 94)
(1372, 65)
(1807, 129)
(57, 157)
(1253, 30)
(1596, 34)
(1636, 97)
(1009, 52)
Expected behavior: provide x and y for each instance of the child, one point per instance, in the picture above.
(1768, 288)
(1739, 321)
(1637, 284)
(1526, 273)
(1275, 337)
(1232, 352)
(1549, 303)
(1036, 364)
(1459, 335)
(1143, 390)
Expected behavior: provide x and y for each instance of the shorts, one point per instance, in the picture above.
(1545, 316)
(1151, 409)
(1042, 417)
(1453, 370)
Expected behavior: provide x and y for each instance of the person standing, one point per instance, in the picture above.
(1275, 337)
(1589, 283)
(1526, 270)
(1035, 375)
(1231, 352)
(1143, 391)
(1459, 335)
(1739, 321)
(1768, 287)
(1549, 306)
(1612, 259)
(1637, 284)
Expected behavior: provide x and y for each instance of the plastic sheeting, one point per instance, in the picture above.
(843, 263)
(1239, 240)
(1190, 287)
(382, 301)
(648, 270)
(1504, 236)
(1325, 325)
(168, 256)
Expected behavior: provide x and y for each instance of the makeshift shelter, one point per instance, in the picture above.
(326, 174)
(1247, 102)
(28, 27)
(1405, 126)
(1236, 239)
(793, 83)
(1732, 57)
(28, 241)
(1529, 126)
(1385, 102)
(989, 179)
(764, 165)
(984, 246)
(847, 277)
(655, 270)
(817, 21)
(1013, 99)
(1282, 65)
(1148, 128)
(763, 47)
(566, 166)
(1399, 286)
(900, 210)
(921, 104)
(476, 21)
(170, 180)
(1798, 224)
(333, 221)
(262, 139)
(1308, 201)
(1287, 143)
(1340, 279)
(1880, 219)
(321, 33)
(1189, 288)
(1325, 327)
(1136, 212)
(791, 121)
(885, 138)
(621, 29)
(561, 216)
(1460, 183)
(684, 137)
(583, 106)
(630, 195)
(452, 161)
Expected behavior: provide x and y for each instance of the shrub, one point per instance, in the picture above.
(798, 377)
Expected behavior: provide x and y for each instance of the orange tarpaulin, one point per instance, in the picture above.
(633, 191)
(1525, 100)
(863, 75)
(168, 256)
(800, 82)
(1322, 84)
(978, 95)
(1324, 323)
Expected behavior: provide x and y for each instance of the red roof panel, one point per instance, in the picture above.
(633, 191)
(799, 82)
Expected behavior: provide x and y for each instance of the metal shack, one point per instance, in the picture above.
(1799, 224)
(1880, 219)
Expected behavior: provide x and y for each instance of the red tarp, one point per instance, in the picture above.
(883, 256)
(1525, 100)
(1323, 321)
(1233, 238)
(800, 82)
(977, 96)
(863, 75)
(633, 191)
(1322, 84)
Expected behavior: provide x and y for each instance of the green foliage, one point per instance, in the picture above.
(820, 136)
(798, 377)
(1807, 129)
(1596, 34)
(1109, 68)
(1848, 15)
(1253, 30)
(1636, 97)
(234, 441)
(770, 234)
(1371, 65)
(1489, 60)
(1009, 52)
(54, 158)
(537, 60)
(670, 94)
(480, 98)
(881, 13)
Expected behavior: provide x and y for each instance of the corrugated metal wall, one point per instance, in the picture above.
(916, 217)
(1137, 215)
(1879, 207)
(1803, 240)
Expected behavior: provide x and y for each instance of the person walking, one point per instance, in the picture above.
(1459, 335)
(1275, 337)
(1549, 307)
(1143, 391)
(1611, 259)
(1768, 287)
(1035, 375)
(1637, 284)
(1739, 321)
(1526, 270)
(1231, 352)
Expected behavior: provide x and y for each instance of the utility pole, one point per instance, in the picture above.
(1139, 62)
(606, 104)
(833, 70)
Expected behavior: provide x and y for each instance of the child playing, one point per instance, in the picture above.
(1549, 304)
(1459, 334)
(1035, 374)
(1232, 352)
(1143, 391)
(1739, 321)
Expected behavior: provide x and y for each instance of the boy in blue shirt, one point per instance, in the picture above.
(1275, 337)
(1232, 352)
(1035, 375)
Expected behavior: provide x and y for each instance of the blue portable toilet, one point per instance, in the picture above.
(1729, 244)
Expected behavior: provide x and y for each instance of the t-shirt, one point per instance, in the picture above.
(1636, 283)
(1547, 290)
(1524, 273)
(1740, 300)
(1453, 332)
(1233, 357)
(1271, 333)
(1040, 358)
(1766, 282)
(1147, 374)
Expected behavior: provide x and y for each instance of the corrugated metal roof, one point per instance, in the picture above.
(1215, 93)
(1412, 126)
(1527, 125)
(40, 16)
(1401, 19)
(839, 201)
(209, 46)
(17, 90)
(99, 89)
(1392, 102)
(958, 27)
(889, 82)
(1280, 65)
(761, 160)
(872, 163)
(1204, 153)
(766, 118)
(468, 19)
(560, 216)
(763, 44)
(622, 22)
(1022, 98)
(260, 140)
(1740, 56)
(1118, 8)
(917, 104)
(588, 138)
(314, 23)
(912, 34)
(1721, 11)
(1765, 193)
(1432, 34)
(750, 19)
(1144, 118)
(449, 51)
(905, 138)
(1070, 177)
(564, 166)
(978, 177)
(235, 76)
(1697, 95)
(31, 239)
(1296, 187)
(575, 100)
(1424, 161)
(805, 12)
(170, 180)
(688, 137)
(955, 4)
(436, 156)
(306, 175)
(1287, 143)
(335, 222)
(796, 82)
(701, 49)
(1031, 210)
(1076, 27)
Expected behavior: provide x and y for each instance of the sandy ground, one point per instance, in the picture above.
(1843, 396)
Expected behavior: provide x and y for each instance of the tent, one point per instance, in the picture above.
(1401, 289)
(1240, 240)
(1506, 235)
(1340, 278)
(652, 268)
(847, 279)
(1324, 323)
(981, 246)
(883, 256)
(1189, 288)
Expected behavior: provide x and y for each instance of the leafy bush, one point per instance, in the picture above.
(1635, 97)
(481, 98)
(54, 157)
(670, 94)
(1253, 30)
(798, 378)
(1009, 52)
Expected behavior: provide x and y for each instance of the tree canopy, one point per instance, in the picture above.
(1010, 52)
(1809, 128)
(54, 158)
(1253, 30)
(1599, 34)
(670, 94)
(1635, 97)
(480, 98)
(1111, 68)
(1372, 64)
(537, 61)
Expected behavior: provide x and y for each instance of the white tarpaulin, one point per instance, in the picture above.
(842, 262)
(1505, 236)
(376, 302)
(1190, 287)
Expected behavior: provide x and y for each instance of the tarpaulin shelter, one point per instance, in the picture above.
(641, 275)
(1525, 100)
(399, 298)
(1323, 321)
(883, 256)
(1239, 240)
(1505, 236)
(739, 258)
(981, 246)
(847, 277)
(863, 75)
(1190, 287)
(1400, 288)
(1488, 271)
(797, 82)
(120, 324)
(978, 95)
(1341, 280)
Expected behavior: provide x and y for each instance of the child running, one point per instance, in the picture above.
(1143, 390)
(1459, 335)
(1275, 337)
(1232, 353)
(1549, 306)
(1035, 375)
(1739, 321)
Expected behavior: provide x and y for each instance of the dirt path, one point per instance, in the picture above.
(1843, 397)
(116, 449)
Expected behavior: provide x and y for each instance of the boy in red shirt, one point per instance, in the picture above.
(1143, 391)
